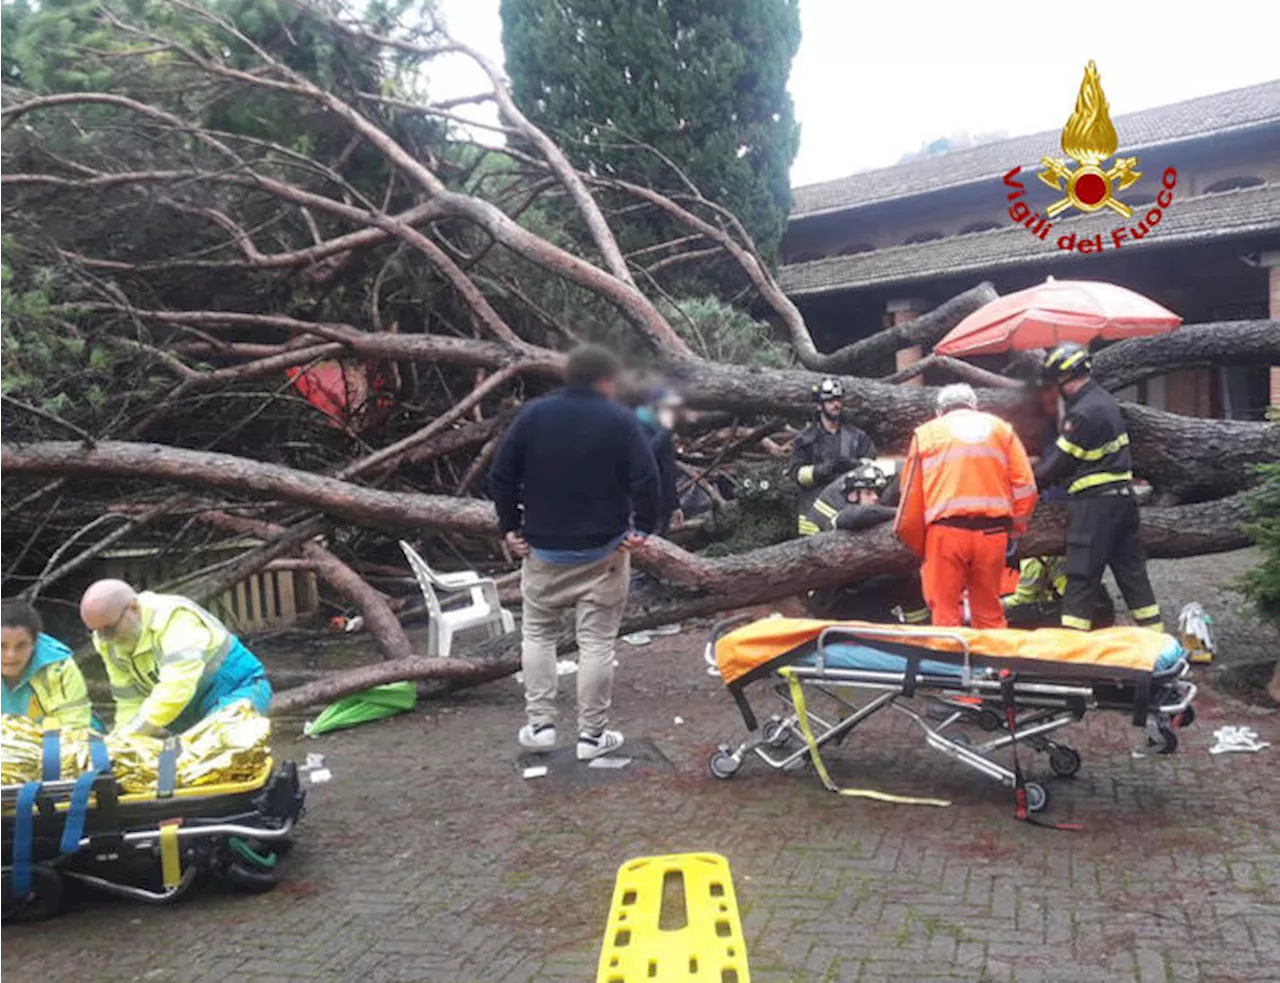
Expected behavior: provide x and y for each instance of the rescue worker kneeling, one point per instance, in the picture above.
(850, 502)
(169, 661)
(41, 679)
(967, 495)
(1035, 600)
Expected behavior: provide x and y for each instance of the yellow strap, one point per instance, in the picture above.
(797, 698)
(170, 856)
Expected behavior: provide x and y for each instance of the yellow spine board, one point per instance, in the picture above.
(708, 946)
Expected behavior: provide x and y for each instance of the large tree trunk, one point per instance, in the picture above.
(695, 586)
(1193, 346)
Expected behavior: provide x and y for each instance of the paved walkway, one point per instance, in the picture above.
(429, 858)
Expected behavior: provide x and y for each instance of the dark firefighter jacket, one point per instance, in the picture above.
(818, 455)
(832, 510)
(1091, 453)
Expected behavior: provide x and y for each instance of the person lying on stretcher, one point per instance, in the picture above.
(41, 679)
(170, 662)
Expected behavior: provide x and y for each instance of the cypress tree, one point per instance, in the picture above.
(702, 81)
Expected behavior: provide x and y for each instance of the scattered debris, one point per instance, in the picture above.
(678, 721)
(537, 771)
(610, 763)
(638, 638)
(1237, 739)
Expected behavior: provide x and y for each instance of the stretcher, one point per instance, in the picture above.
(1018, 686)
(147, 847)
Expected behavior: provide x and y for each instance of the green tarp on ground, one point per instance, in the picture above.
(361, 708)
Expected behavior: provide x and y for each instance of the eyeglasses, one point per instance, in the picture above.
(110, 630)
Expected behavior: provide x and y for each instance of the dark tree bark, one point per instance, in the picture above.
(1196, 345)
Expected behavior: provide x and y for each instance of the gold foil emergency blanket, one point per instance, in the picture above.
(229, 746)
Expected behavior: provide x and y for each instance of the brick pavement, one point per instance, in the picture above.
(428, 858)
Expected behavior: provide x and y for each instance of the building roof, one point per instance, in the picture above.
(1230, 214)
(1239, 109)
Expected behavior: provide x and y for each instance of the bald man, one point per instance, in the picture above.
(170, 662)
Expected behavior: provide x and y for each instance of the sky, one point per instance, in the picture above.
(873, 80)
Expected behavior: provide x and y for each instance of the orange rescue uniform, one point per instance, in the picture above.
(967, 486)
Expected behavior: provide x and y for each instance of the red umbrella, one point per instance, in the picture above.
(1056, 311)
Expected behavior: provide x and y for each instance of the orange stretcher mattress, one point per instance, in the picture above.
(1126, 651)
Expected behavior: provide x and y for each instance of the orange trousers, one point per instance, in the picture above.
(958, 559)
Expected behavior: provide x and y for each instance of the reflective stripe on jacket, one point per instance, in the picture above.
(1092, 450)
(1041, 580)
(176, 658)
(964, 464)
(50, 686)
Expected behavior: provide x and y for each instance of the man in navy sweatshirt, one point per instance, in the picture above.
(575, 486)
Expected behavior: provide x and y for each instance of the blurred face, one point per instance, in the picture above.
(16, 646)
(666, 417)
(607, 388)
(864, 496)
(832, 408)
(123, 626)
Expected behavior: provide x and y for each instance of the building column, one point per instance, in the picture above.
(900, 312)
(1271, 260)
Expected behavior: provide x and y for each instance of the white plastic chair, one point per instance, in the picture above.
(484, 611)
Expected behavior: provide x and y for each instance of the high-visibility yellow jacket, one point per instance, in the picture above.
(1041, 580)
(180, 651)
(964, 464)
(51, 686)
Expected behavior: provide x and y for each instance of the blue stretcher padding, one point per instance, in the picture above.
(868, 658)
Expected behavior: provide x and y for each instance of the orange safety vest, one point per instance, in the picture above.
(965, 463)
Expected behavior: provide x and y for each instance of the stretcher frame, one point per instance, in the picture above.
(1041, 708)
(124, 831)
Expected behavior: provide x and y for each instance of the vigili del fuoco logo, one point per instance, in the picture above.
(1089, 139)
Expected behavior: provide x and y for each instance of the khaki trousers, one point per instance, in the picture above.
(596, 594)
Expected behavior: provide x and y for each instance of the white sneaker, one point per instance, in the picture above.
(598, 745)
(537, 738)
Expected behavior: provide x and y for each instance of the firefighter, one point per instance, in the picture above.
(851, 502)
(967, 495)
(827, 447)
(1091, 457)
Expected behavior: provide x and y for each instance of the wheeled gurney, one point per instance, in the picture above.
(143, 846)
(1022, 685)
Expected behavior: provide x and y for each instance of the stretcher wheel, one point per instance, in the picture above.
(1037, 797)
(723, 765)
(1065, 761)
(1166, 742)
(775, 733)
(989, 720)
(44, 901)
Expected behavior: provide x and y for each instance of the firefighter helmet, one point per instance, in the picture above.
(865, 476)
(828, 388)
(1068, 361)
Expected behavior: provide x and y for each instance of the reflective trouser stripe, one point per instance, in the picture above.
(1146, 614)
(1080, 624)
(1100, 478)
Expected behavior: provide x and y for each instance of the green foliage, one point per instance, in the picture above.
(762, 514)
(702, 81)
(1262, 584)
(724, 333)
